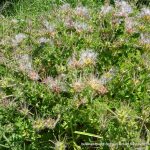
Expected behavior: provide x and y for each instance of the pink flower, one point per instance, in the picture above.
(33, 75)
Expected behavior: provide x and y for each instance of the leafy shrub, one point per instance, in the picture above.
(75, 76)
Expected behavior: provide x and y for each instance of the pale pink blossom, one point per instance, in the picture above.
(18, 39)
(82, 11)
(144, 12)
(106, 9)
(124, 9)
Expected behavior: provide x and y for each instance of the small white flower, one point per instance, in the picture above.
(81, 26)
(65, 7)
(145, 12)
(106, 9)
(82, 11)
(87, 57)
(18, 39)
(124, 8)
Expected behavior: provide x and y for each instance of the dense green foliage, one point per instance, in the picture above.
(13, 7)
(76, 74)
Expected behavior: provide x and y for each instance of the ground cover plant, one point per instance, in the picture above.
(75, 76)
